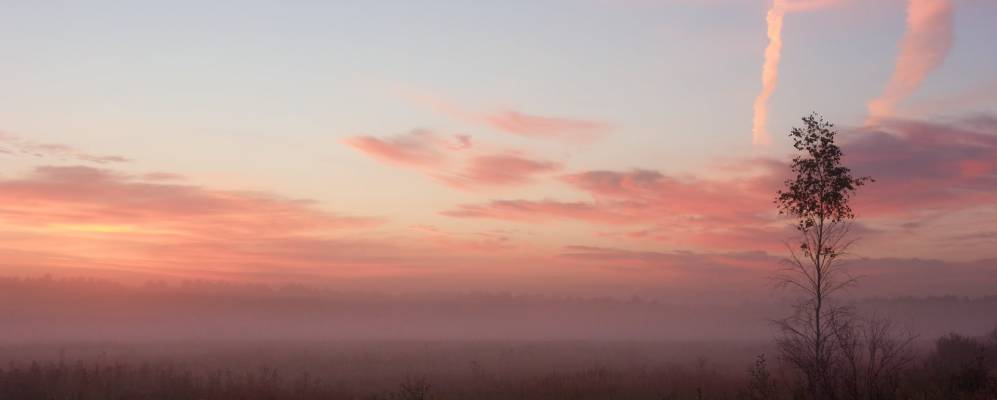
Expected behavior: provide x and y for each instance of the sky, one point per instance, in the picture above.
(585, 147)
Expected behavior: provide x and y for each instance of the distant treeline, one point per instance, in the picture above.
(47, 308)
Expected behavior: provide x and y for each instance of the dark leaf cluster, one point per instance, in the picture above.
(821, 186)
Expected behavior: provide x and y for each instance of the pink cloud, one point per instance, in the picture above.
(770, 61)
(811, 5)
(921, 168)
(924, 47)
(497, 170)
(652, 193)
(18, 145)
(751, 227)
(770, 72)
(692, 211)
(418, 148)
(82, 217)
(86, 219)
(95, 200)
(542, 127)
(454, 162)
(517, 122)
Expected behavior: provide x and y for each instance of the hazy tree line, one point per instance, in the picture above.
(63, 309)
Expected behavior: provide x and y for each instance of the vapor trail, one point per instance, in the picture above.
(770, 72)
(924, 46)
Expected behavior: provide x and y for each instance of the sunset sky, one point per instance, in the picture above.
(591, 147)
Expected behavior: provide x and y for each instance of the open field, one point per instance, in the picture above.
(347, 370)
(430, 370)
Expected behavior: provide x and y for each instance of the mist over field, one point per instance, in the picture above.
(243, 340)
(47, 309)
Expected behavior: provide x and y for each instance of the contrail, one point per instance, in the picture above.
(925, 45)
(770, 73)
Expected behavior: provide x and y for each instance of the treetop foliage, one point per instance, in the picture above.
(821, 186)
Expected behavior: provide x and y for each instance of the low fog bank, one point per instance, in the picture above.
(41, 310)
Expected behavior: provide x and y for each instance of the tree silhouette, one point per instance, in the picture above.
(818, 197)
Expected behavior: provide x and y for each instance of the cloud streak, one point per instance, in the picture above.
(519, 123)
(770, 72)
(497, 170)
(771, 58)
(12, 144)
(418, 148)
(83, 217)
(541, 127)
(455, 163)
(924, 47)
(99, 200)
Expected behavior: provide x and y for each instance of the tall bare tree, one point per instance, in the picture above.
(818, 196)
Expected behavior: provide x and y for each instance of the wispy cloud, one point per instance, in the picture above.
(690, 211)
(771, 59)
(454, 162)
(84, 217)
(770, 72)
(565, 129)
(497, 170)
(418, 148)
(16, 145)
(541, 127)
(86, 197)
(924, 47)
